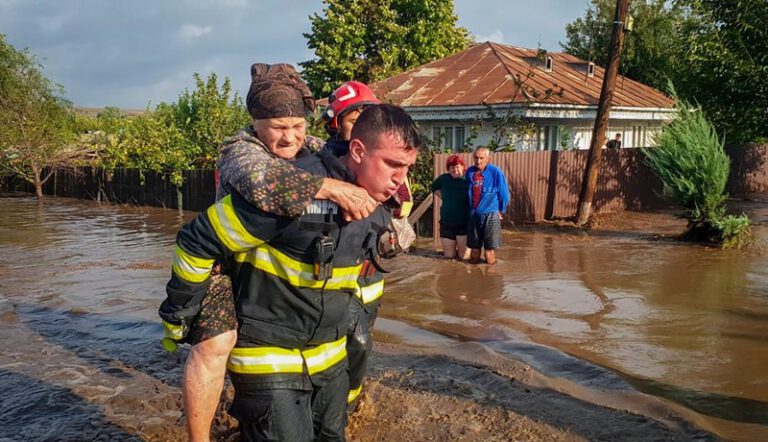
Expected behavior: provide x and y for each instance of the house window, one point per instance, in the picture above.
(639, 137)
(453, 137)
(548, 137)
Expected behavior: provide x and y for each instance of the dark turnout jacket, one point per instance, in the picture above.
(279, 300)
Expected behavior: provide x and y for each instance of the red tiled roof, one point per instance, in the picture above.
(486, 73)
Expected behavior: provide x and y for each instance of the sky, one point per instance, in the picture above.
(134, 54)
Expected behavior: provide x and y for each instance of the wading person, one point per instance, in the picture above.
(488, 199)
(452, 188)
(252, 163)
(294, 281)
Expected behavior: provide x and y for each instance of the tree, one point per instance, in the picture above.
(714, 51)
(205, 116)
(652, 51)
(36, 121)
(369, 40)
(148, 143)
(175, 136)
(693, 167)
(726, 65)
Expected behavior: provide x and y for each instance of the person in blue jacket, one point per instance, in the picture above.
(488, 199)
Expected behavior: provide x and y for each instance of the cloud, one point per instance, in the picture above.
(496, 36)
(238, 3)
(191, 32)
(129, 53)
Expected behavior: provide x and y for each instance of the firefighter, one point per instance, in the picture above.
(294, 281)
(276, 93)
(345, 105)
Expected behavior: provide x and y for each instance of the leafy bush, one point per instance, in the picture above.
(734, 231)
(693, 167)
(205, 116)
(175, 136)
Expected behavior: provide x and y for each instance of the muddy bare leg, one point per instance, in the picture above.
(203, 381)
(461, 246)
(490, 256)
(449, 247)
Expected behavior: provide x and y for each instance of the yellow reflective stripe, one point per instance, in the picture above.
(297, 273)
(265, 360)
(370, 293)
(270, 360)
(406, 206)
(228, 227)
(191, 268)
(405, 209)
(173, 331)
(325, 356)
(353, 394)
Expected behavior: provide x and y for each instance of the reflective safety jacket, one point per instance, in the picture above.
(359, 339)
(404, 199)
(284, 311)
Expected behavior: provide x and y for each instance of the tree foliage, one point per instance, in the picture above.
(36, 121)
(693, 167)
(714, 51)
(727, 65)
(205, 116)
(175, 136)
(652, 49)
(369, 40)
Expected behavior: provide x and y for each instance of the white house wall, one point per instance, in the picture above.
(636, 125)
(633, 134)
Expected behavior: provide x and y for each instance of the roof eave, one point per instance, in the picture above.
(539, 111)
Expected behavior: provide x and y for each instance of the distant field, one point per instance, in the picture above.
(93, 111)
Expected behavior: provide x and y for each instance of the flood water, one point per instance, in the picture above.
(80, 284)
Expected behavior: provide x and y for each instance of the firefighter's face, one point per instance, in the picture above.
(282, 136)
(381, 168)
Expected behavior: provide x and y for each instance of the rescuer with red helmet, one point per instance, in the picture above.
(344, 106)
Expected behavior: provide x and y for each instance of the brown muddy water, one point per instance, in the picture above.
(612, 312)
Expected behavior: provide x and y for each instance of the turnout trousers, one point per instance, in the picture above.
(293, 414)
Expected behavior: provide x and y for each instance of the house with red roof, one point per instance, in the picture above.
(522, 99)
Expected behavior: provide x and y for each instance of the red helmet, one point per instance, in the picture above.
(350, 95)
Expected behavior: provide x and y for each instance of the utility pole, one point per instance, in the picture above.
(589, 183)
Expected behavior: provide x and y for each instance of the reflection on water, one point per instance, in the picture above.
(80, 284)
(678, 321)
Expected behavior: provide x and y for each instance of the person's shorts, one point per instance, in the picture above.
(451, 231)
(484, 231)
(217, 314)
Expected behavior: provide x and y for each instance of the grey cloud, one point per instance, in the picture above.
(130, 53)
